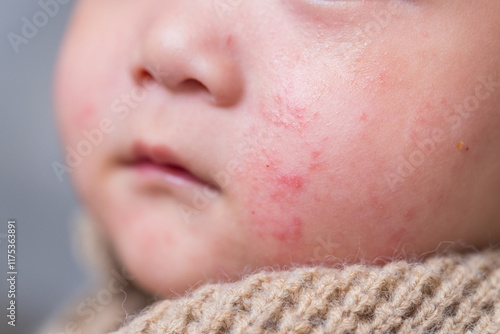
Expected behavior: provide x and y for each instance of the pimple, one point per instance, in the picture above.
(315, 154)
(229, 40)
(290, 181)
(363, 117)
(85, 114)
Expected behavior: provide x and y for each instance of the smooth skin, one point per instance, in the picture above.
(322, 131)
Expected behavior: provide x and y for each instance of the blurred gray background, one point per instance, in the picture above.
(48, 274)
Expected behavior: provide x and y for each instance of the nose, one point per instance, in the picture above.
(187, 51)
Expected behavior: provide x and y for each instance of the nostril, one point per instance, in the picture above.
(142, 77)
(192, 85)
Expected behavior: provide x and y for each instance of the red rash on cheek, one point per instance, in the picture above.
(288, 111)
(278, 193)
(272, 217)
(282, 196)
(286, 185)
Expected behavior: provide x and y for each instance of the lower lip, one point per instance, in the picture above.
(168, 174)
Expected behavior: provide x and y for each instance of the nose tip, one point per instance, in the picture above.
(186, 58)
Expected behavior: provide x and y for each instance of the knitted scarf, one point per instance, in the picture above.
(446, 293)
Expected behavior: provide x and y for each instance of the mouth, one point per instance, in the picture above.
(173, 173)
(159, 167)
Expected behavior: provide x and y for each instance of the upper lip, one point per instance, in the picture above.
(162, 155)
(159, 154)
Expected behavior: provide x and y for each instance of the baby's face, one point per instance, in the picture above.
(211, 138)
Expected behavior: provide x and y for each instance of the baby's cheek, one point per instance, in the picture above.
(282, 198)
(295, 206)
(273, 204)
(306, 188)
(84, 115)
(274, 211)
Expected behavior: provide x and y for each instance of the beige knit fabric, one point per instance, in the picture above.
(445, 294)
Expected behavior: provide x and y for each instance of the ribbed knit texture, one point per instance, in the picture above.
(445, 294)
